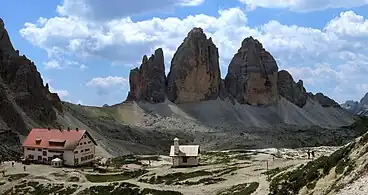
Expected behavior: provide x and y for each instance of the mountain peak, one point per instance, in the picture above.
(364, 100)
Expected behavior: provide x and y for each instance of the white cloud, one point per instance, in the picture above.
(106, 82)
(52, 64)
(83, 67)
(303, 5)
(334, 57)
(61, 93)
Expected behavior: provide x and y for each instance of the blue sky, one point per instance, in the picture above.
(85, 48)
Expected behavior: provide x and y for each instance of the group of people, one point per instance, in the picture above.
(310, 153)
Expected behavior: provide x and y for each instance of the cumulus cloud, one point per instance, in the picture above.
(61, 93)
(106, 82)
(303, 5)
(334, 57)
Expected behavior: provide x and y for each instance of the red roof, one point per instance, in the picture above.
(70, 137)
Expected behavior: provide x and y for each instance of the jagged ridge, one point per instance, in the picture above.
(252, 78)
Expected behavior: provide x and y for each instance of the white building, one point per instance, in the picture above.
(184, 155)
(73, 147)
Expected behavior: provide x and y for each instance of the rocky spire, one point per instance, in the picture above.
(194, 73)
(294, 92)
(149, 81)
(252, 74)
(5, 44)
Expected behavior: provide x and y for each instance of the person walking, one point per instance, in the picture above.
(24, 167)
(12, 163)
(308, 154)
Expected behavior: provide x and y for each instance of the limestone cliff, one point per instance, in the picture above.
(25, 101)
(149, 81)
(252, 74)
(289, 89)
(194, 73)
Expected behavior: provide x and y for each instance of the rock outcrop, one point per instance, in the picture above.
(194, 73)
(149, 81)
(23, 95)
(252, 75)
(294, 92)
(355, 107)
(324, 100)
(364, 100)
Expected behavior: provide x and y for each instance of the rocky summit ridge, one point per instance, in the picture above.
(358, 108)
(253, 76)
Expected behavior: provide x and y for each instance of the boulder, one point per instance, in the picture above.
(194, 73)
(148, 83)
(294, 92)
(252, 75)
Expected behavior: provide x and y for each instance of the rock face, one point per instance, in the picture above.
(364, 100)
(252, 74)
(324, 100)
(294, 92)
(358, 108)
(22, 93)
(149, 81)
(194, 73)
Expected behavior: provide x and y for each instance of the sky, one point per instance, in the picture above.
(85, 49)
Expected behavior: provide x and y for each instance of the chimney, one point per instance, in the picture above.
(68, 128)
(176, 146)
(76, 129)
(60, 129)
(48, 128)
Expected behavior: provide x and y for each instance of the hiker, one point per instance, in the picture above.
(24, 167)
(308, 154)
(312, 153)
(12, 163)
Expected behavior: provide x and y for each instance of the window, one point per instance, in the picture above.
(185, 159)
(44, 153)
(75, 152)
(30, 157)
(39, 158)
(86, 150)
(89, 142)
(81, 151)
(31, 149)
(85, 142)
(40, 150)
(85, 136)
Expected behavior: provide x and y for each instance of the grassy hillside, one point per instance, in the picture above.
(327, 174)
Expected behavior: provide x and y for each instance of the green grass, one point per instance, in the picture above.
(36, 188)
(241, 189)
(178, 177)
(205, 181)
(126, 189)
(172, 178)
(291, 182)
(14, 177)
(115, 177)
(272, 172)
